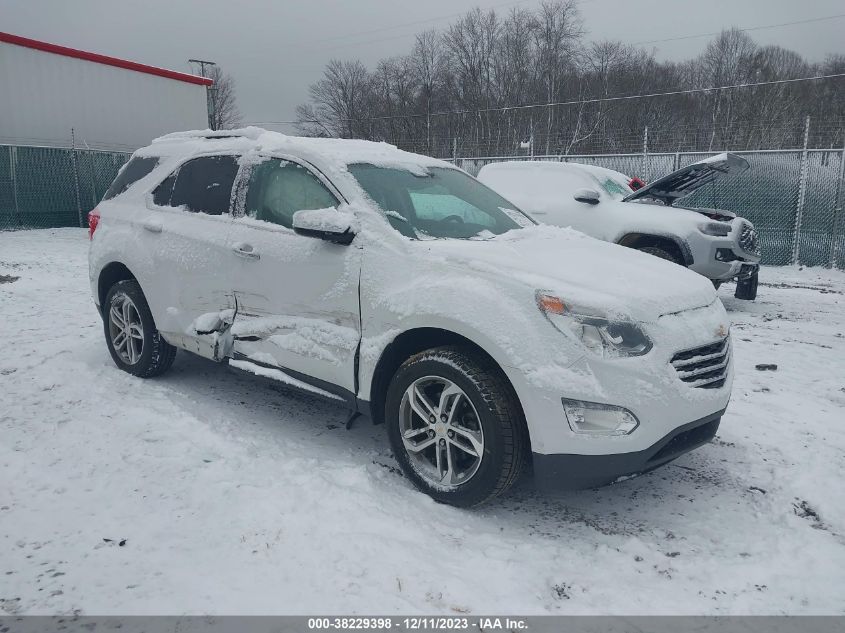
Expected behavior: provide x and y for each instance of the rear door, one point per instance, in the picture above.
(185, 236)
(297, 297)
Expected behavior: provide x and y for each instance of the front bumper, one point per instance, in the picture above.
(724, 258)
(574, 472)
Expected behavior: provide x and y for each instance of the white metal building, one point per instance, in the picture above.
(111, 103)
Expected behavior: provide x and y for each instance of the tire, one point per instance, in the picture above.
(661, 253)
(491, 426)
(746, 289)
(145, 353)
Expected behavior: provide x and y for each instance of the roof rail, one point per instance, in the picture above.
(251, 133)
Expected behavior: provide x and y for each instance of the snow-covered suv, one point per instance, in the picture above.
(712, 242)
(403, 287)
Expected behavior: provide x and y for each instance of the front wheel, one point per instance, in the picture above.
(455, 426)
(135, 345)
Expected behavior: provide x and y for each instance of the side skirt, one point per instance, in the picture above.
(300, 382)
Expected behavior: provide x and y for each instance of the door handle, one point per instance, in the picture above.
(153, 226)
(245, 250)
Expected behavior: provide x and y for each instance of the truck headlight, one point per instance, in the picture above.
(593, 418)
(604, 337)
(719, 229)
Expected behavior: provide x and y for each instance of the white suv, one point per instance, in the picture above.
(602, 203)
(403, 287)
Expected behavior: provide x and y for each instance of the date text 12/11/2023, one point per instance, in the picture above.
(417, 623)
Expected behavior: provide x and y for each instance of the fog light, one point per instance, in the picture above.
(592, 418)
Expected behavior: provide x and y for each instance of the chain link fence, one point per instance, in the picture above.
(44, 187)
(793, 197)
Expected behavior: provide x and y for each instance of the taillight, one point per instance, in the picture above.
(93, 221)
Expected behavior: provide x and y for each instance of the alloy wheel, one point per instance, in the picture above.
(441, 431)
(125, 329)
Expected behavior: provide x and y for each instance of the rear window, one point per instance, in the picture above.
(134, 170)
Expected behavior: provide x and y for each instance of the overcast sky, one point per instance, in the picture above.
(275, 49)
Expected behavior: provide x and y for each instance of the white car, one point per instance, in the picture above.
(400, 285)
(601, 203)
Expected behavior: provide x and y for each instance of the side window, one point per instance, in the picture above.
(277, 189)
(131, 173)
(202, 185)
(161, 195)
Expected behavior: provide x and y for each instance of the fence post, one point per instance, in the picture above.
(676, 162)
(643, 167)
(75, 165)
(837, 211)
(93, 180)
(13, 173)
(802, 194)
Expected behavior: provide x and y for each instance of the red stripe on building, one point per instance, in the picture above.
(103, 59)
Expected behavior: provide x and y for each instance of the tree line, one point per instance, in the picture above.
(465, 89)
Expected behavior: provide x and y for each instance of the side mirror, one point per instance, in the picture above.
(326, 224)
(588, 196)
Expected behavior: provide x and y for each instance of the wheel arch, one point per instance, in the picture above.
(414, 341)
(109, 276)
(670, 243)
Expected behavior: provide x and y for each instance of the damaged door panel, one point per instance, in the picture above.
(190, 212)
(297, 296)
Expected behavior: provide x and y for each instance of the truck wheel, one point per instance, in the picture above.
(747, 288)
(455, 426)
(134, 342)
(659, 252)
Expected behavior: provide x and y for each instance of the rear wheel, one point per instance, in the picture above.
(455, 426)
(659, 252)
(135, 345)
(746, 289)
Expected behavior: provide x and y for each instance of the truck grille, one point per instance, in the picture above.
(705, 367)
(748, 240)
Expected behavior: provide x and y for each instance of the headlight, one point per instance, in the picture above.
(593, 418)
(602, 336)
(719, 229)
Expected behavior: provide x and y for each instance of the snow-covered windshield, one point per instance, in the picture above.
(616, 189)
(437, 202)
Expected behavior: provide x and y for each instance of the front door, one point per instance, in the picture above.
(297, 297)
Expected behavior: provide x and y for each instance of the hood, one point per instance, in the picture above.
(587, 272)
(684, 181)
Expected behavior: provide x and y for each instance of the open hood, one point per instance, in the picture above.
(684, 181)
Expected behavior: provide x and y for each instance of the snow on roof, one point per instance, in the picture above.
(107, 60)
(328, 154)
(554, 166)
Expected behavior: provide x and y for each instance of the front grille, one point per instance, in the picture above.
(748, 239)
(687, 441)
(706, 366)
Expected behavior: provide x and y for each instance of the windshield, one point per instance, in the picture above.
(614, 188)
(442, 202)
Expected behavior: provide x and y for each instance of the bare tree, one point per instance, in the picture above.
(481, 86)
(429, 65)
(224, 108)
(339, 100)
(557, 36)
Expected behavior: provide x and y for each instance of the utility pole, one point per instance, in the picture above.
(210, 92)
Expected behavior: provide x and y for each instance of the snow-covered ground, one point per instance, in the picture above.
(205, 492)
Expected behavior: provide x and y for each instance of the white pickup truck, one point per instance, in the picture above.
(602, 203)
